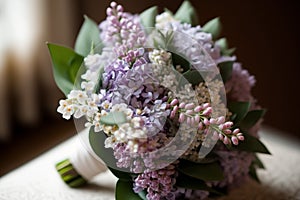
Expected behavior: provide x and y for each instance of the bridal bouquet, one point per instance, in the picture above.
(168, 108)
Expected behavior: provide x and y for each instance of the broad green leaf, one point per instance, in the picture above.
(257, 162)
(124, 176)
(239, 110)
(88, 38)
(179, 60)
(168, 11)
(251, 144)
(143, 195)
(66, 65)
(187, 13)
(251, 119)
(188, 182)
(113, 118)
(97, 143)
(214, 27)
(253, 174)
(148, 17)
(193, 76)
(124, 191)
(223, 44)
(99, 82)
(205, 172)
(226, 70)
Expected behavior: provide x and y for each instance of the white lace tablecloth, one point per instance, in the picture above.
(38, 179)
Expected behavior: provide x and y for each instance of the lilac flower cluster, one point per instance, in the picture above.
(200, 116)
(158, 184)
(122, 31)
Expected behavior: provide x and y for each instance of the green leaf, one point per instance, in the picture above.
(239, 110)
(187, 182)
(226, 70)
(143, 195)
(66, 65)
(88, 38)
(253, 174)
(148, 17)
(193, 76)
(205, 172)
(97, 143)
(251, 144)
(113, 118)
(223, 44)
(124, 191)
(179, 60)
(214, 27)
(187, 13)
(168, 11)
(251, 119)
(257, 162)
(124, 176)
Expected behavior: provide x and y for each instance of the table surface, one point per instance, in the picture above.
(38, 179)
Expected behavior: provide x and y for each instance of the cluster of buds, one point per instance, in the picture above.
(200, 116)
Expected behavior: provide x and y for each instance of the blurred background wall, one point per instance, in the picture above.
(265, 33)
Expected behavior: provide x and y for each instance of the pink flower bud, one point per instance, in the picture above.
(198, 108)
(236, 131)
(228, 124)
(240, 137)
(221, 137)
(206, 105)
(234, 140)
(175, 108)
(212, 121)
(189, 106)
(174, 102)
(120, 8)
(227, 131)
(113, 4)
(221, 126)
(181, 117)
(182, 105)
(109, 11)
(226, 140)
(189, 112)
(221, 120)
(200, 126)
(188, 120)
(206, 122)
(215, 136)
(207, 111)
(192, 121)
(172, 115)
(197, 119)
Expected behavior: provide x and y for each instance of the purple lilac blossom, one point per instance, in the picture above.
(240, 84)
(158, 184)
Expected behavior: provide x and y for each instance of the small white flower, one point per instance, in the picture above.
(68, 112)
(88, 86)
(63, 104)
(163, 20)
(79, 96)
(106, 105)
(90, 76)
(109, 142)
(92, 61)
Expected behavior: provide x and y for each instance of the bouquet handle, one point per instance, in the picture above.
(79, 167)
